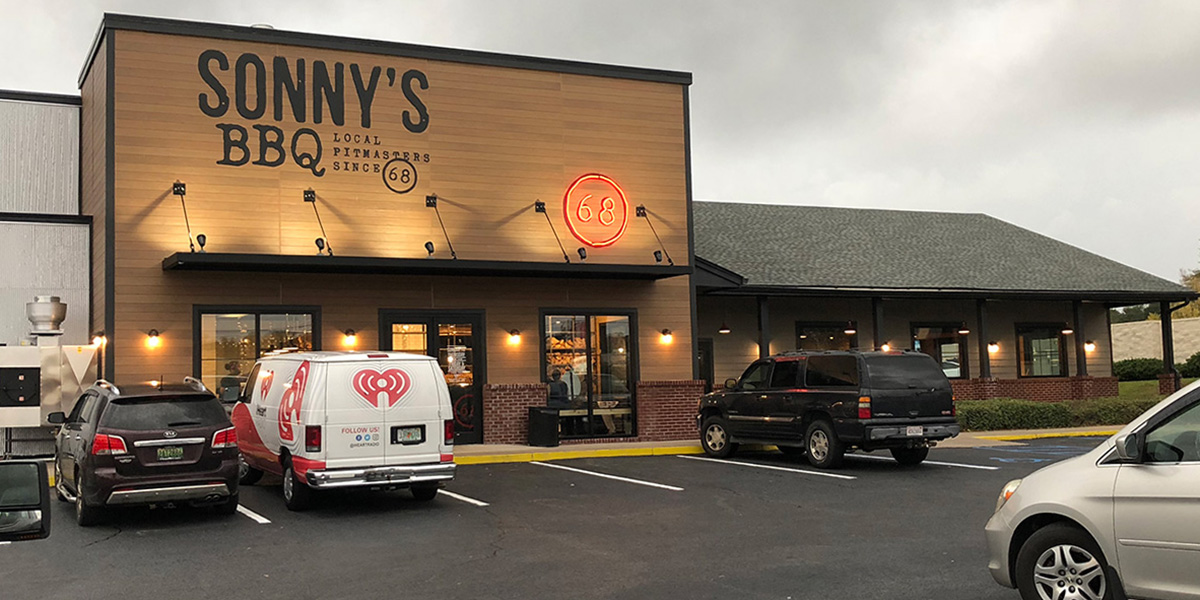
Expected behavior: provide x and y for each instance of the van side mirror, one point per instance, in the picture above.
(24, 501)
(730, 383)
(1129, 448)
(56, 418)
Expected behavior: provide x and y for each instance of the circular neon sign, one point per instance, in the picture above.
(596, 210)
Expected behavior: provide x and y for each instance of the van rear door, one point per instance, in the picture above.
(354, 434)
(908, 386)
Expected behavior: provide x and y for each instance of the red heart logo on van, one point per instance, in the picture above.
(381, 386)
(267, 377)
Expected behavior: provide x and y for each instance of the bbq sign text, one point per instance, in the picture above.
(315, 115)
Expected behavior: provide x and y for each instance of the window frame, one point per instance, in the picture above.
(635, 376)
(964, 366)
(199, 310)
(840, 325)
(1064, 369)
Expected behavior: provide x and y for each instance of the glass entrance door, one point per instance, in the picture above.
(456, 340)
(589, 361)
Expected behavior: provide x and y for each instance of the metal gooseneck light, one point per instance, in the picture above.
(180, 189)
(431, 201)
(311, 196)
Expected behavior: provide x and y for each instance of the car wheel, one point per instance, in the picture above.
(824, 449)
(229, 507)
(297, 496)
(86, 515)
(792, 450)
(247, 475)
(910, 456)
(1062, 561)
(424, 493)
(715, 439)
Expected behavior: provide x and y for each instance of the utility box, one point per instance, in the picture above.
(543, 426)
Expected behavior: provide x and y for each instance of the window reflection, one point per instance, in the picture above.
(588, 377)
(230, 343)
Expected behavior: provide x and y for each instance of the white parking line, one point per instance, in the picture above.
(769, 467)
(613, 477)
(257, 518)
(463, 498)
(928, 462)
(5, 543)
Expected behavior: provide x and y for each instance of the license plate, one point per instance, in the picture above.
(170, 453)
(408, 435)
(915, 431)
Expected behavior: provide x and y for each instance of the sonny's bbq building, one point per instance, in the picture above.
(501, 213)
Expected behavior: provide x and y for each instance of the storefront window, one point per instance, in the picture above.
(1040, 349)
(945, 344)
(827, 335)
(588, 372)
(230, 343)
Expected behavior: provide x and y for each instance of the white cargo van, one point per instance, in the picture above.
(324, 420)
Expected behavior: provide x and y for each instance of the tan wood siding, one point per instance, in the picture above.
(92, 175)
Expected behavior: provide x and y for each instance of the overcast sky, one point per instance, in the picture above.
(1079, 120)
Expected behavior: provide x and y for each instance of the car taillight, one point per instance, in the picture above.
(450, 431)
(312, 438)
(225, 438)
(864, 407)
(108, 445)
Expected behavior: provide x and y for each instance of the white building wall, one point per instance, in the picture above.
(43, 259)
(39, 157)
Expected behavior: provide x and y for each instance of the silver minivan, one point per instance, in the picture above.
(1120, 521)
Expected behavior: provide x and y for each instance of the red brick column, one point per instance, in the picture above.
(1167, 383)
(506, 411)
(666, 410)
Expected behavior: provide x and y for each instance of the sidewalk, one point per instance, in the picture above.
(479, 454)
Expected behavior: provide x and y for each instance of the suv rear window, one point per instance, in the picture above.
(905, 371)
(832, 371)
(145, 414)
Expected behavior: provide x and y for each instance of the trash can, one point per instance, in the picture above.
(543, 426)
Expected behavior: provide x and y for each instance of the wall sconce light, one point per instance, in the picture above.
(514, 337)
(201, 239)
(429, 249)
(724, 328)
(993, 347)
(99, 340)
(665, 336)
(850, 328)
(152, 339)
(963, 329)
(1089, 346)
(886, 348)
(1066, 330)
(582, 254)
(349, 338)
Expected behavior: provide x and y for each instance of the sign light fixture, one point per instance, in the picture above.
(596, 210)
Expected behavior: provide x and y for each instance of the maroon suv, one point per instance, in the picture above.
(145, 444)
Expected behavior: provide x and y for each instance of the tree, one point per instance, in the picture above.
(1190, 279)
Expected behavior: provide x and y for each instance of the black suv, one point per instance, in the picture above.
(823, 403)
(145, 444)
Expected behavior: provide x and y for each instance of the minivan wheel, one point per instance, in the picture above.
(910, 456)
(297, 496)
(247, 475)
(424, 493)
(825, 450)
(714, 438)
(1061, 561)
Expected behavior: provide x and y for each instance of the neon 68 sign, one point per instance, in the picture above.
(596, 210)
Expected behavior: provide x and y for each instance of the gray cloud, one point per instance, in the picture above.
(1075, 119)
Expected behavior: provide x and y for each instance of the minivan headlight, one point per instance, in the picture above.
(1010, 488)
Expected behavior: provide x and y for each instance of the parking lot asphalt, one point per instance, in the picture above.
(759, 525)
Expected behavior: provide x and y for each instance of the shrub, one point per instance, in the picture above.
(1005, 413)
(1190, 367)
(1138, 369)
(1108, 411)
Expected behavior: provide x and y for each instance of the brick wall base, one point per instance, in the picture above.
(666, 411)
(1048, 389)
(1168, 383)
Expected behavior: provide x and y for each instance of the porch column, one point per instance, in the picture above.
(1080, 341)
(1168, 348)
(764, 328)
(877, 323)
(985, 359)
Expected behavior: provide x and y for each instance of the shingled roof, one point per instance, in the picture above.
(810, 247)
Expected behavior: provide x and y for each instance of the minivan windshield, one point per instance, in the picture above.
(905, 371)
(162, 412)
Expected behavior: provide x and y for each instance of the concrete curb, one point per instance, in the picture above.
(1051, 435)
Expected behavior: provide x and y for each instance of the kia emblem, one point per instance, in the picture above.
(170, 433)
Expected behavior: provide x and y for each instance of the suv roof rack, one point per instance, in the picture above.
(108, 384)
(195, 384)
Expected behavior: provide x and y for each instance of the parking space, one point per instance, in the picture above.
(758, 525)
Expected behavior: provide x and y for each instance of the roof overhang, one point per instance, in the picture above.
(282, 263)
(1111, 297)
